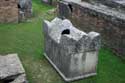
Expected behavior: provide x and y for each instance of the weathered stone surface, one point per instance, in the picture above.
(11, 69)
(115, 4)
(119, 4)
(108, 22)
(73, 53)
(25, 9)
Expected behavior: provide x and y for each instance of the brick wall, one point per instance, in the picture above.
(8, 11)
(14, 11)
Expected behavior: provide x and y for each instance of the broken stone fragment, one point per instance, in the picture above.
(20, 79)
(73, 53)
(25, 9)
(11, 69)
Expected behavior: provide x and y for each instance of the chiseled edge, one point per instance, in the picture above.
(64, 77)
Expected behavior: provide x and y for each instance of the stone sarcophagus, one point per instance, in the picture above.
(73, 53)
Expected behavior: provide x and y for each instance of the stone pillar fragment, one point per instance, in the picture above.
(25, 9)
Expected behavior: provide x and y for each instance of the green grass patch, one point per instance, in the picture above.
(26, 39)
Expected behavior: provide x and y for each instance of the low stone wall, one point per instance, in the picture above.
(8, 11)
(115, 4)
(89, 17)
(119, 4)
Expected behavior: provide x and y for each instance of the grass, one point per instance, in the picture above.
(26, 39)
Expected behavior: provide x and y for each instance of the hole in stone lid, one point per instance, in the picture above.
(66, 31)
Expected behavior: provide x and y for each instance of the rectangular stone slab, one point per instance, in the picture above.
(10, 65)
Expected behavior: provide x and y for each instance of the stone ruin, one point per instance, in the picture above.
(117, 4)
(73, 53)
(8, 11)
(15, 10)
(51, 2)
(25, 9)
(104, 16)
(11, 70)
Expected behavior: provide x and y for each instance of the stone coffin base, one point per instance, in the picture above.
(64, 77)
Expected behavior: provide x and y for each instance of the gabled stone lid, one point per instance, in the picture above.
(58, 28)
(65, 34)
(10, 65)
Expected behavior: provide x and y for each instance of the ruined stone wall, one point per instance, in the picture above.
(114, 4)
(88, 17)
(118, 4)
(51, 2)
(8, 11)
